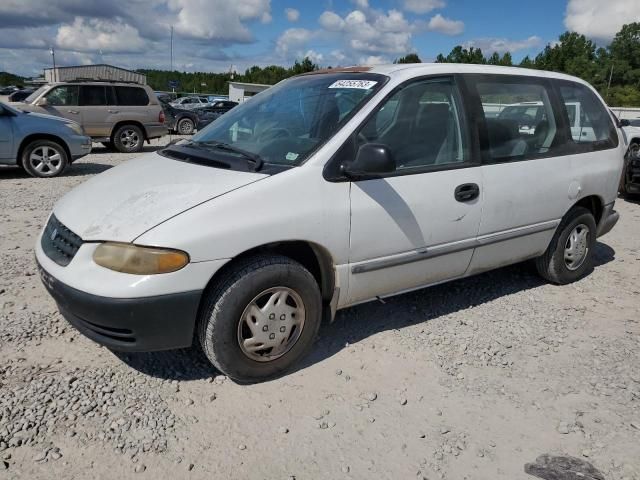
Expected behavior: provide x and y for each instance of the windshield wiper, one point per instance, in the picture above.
(256, 159)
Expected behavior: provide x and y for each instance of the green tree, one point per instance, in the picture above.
(410, 58)
(462, 55)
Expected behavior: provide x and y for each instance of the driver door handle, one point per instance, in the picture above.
(113, 111)
(75, 112)
(467, 192)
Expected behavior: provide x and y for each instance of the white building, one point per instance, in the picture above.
(239, 91)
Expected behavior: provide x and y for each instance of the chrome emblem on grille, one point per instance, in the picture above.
(53, 234)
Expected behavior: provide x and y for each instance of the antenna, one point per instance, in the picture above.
(171, 65)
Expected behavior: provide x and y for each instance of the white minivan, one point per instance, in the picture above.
(327, 190)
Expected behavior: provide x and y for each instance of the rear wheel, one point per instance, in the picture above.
(44, 158)
(569, 256)
(128, 139)
(260, 318)
(632, 153)
(185, 126)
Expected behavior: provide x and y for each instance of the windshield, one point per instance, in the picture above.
(286, 123)
(35, 95)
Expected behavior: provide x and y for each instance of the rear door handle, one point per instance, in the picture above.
(113, 111)
(75, 112)
(467, 192)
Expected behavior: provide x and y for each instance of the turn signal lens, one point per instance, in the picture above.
(127, 258)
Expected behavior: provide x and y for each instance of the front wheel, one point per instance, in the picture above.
(44, 158)
(569, 256)
(260, 318)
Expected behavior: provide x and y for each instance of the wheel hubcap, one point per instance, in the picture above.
(130, 139)
(185, 127)
(46, 160)
(271, 324)
(577, 247)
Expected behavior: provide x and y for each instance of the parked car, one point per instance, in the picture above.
(328, 190)
(41, 144)
(119, 115)
(8, 90)
(206, 115)
(179, 121)
(630, 179)
(188, 103)
(20, 95)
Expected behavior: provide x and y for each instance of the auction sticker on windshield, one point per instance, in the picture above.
(361, 84)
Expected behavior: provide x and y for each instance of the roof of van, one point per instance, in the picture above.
(411, 69)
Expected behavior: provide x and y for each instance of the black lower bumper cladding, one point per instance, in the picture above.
(145, 324)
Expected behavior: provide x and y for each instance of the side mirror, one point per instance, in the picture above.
(625, 123)
(373, 160)
(42, 102)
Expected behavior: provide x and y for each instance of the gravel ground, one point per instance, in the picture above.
(467, 380)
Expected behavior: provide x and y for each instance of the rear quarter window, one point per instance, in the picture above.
(131, 96)
(591, 129)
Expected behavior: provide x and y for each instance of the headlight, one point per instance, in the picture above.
(127, 258)
(76, 128)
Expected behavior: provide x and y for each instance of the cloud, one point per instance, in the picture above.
(99, 35)
(226, 24)
(444, 25)
(292, 14)
(503, 45)
(331, 21)
(292, 39)
(422, 6)
(373, 32)
(314, 56)
(598, 19)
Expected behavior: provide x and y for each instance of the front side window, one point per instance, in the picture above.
(286, 123)
(421, 125)
(526, 127)
(131, 96)
(65, 95)
(589, 120)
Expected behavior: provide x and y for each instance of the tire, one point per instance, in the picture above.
(222, 329)
(185, 126)
(632, 152)
(107, 145)
(128, 139)
(44, 159)
(553, 265)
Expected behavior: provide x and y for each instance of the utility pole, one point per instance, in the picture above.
(171, 67)
(53, 56)
(609, 84)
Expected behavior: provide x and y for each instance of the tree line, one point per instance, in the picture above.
(614, 70)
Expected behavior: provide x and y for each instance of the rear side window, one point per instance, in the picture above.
(519, 119)
(591, 125)
(131, 96)
(92, 95)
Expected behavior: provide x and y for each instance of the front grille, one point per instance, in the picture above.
(59, 243)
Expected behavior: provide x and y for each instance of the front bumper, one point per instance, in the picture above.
(79, 146)
(145, 324)
(608, 220)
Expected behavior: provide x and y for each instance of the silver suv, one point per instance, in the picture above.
(119, 115)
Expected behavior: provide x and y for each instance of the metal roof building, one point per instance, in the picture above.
(93, 72)
(238, 90)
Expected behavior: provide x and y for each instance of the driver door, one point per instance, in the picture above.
(418, 225)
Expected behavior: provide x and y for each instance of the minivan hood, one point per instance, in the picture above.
(126, 201)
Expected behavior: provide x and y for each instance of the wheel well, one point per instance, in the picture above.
(42, 136)
(128, 122)
(313, 257)
(593, 203)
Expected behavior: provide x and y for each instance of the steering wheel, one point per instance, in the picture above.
(273, 133)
